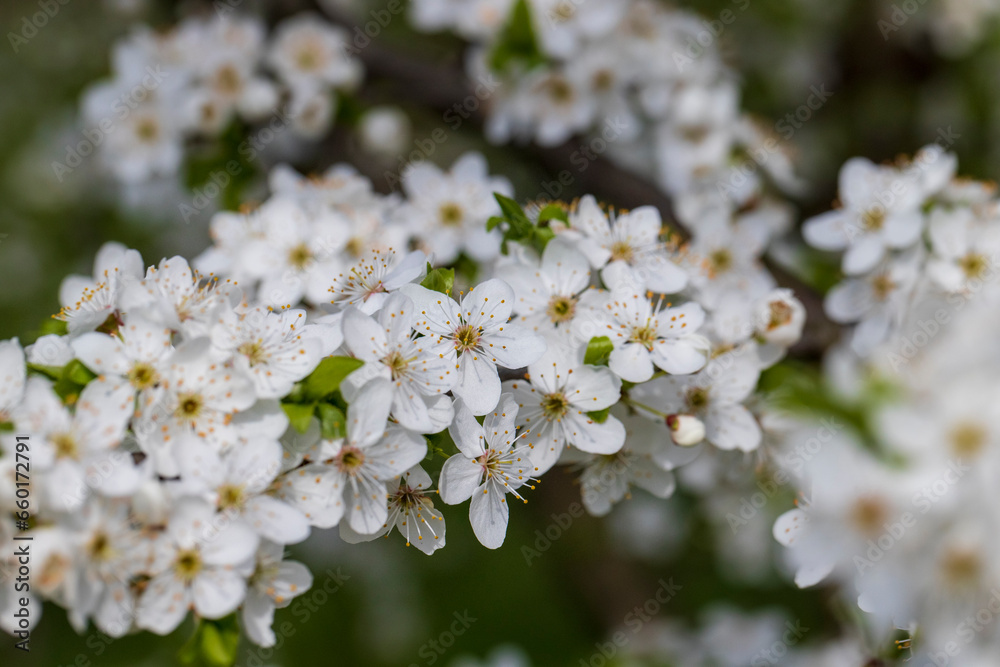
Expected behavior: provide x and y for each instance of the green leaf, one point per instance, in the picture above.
(52, 372)
(553, 212)
(53, 326)
(213, 644)
(600, 416)
(516, 42)
(76, 372)
(299, 415)
(598, 351)
(327, 377)
(332, 422)
(439, 280)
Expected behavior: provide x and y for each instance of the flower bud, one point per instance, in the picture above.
(685, 430)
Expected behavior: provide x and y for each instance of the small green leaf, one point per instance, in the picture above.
(598, 351)
(327, 377)
(439, 280)
(213, 644)
(53, 326)
(553, 212)
(76, 372)
(600, 416)
(516, 42)
(299, 415)
(332, 422)
(51, 372)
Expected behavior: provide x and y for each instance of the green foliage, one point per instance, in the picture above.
(517, 226)
(68, 380)
(225, 163)
(332, 422)
(213, 643)
(299, 415)
(598, 351)
(326, 379)
(600, 416)
(516, 43)
(439, 280)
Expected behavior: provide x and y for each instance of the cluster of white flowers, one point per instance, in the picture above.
(170, 90)
(645, 86)
(189, 424)
(899, 506)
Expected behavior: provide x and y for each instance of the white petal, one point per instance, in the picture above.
(631, 362)
(163, 605)
(276, 521)
(460, 478)
(488, 515)
(732, 427)
(218, 592)
(478, 383)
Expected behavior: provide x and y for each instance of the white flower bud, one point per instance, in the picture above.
(780, 318)
(686, 430)
(150, 504)
(385, 130)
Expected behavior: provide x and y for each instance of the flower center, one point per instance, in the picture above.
(869, 514)
(697, 397)
(99, 547)
(189, 406)
(147, 130)
(227, 80)
(253, 351)
(962, 567)
(231, 496)
(882, 286)
(188, 564)
(397, 363)
(66, 446)
(560, 91)
(300, 256)
(350, 460)
(645, 336)
(974, 265)
(307, 59)
(143, 376)
(561, 309)
(967, 440)
(720, 260)
(466, 337)
(621, 250)
(554, 405)
(451, 214)
(873, 219)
